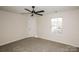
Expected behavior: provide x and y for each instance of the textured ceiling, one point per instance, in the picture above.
(48, 9)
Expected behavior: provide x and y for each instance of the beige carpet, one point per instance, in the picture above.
(36, 45)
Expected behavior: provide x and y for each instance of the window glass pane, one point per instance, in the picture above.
(56, 24)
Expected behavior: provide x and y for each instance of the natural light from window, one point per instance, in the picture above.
(56, 24)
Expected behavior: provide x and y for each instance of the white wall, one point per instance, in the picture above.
(32, 26)
(15, 27)
(70, 34)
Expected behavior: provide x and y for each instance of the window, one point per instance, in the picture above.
(56, 24)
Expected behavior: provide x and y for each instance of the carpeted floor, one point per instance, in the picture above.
(36, 45)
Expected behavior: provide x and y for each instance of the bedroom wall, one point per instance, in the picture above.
(31, 26)
(15, 27)
(70, 34)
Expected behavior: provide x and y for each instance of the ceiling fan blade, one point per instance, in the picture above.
(28, 10)
(40, 11)
(40, 14)
(25, 13)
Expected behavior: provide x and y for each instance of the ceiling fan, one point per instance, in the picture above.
(34, 12)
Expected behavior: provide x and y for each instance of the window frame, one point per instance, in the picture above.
(57, 24)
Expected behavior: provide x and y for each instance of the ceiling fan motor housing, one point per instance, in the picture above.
(33, 6)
